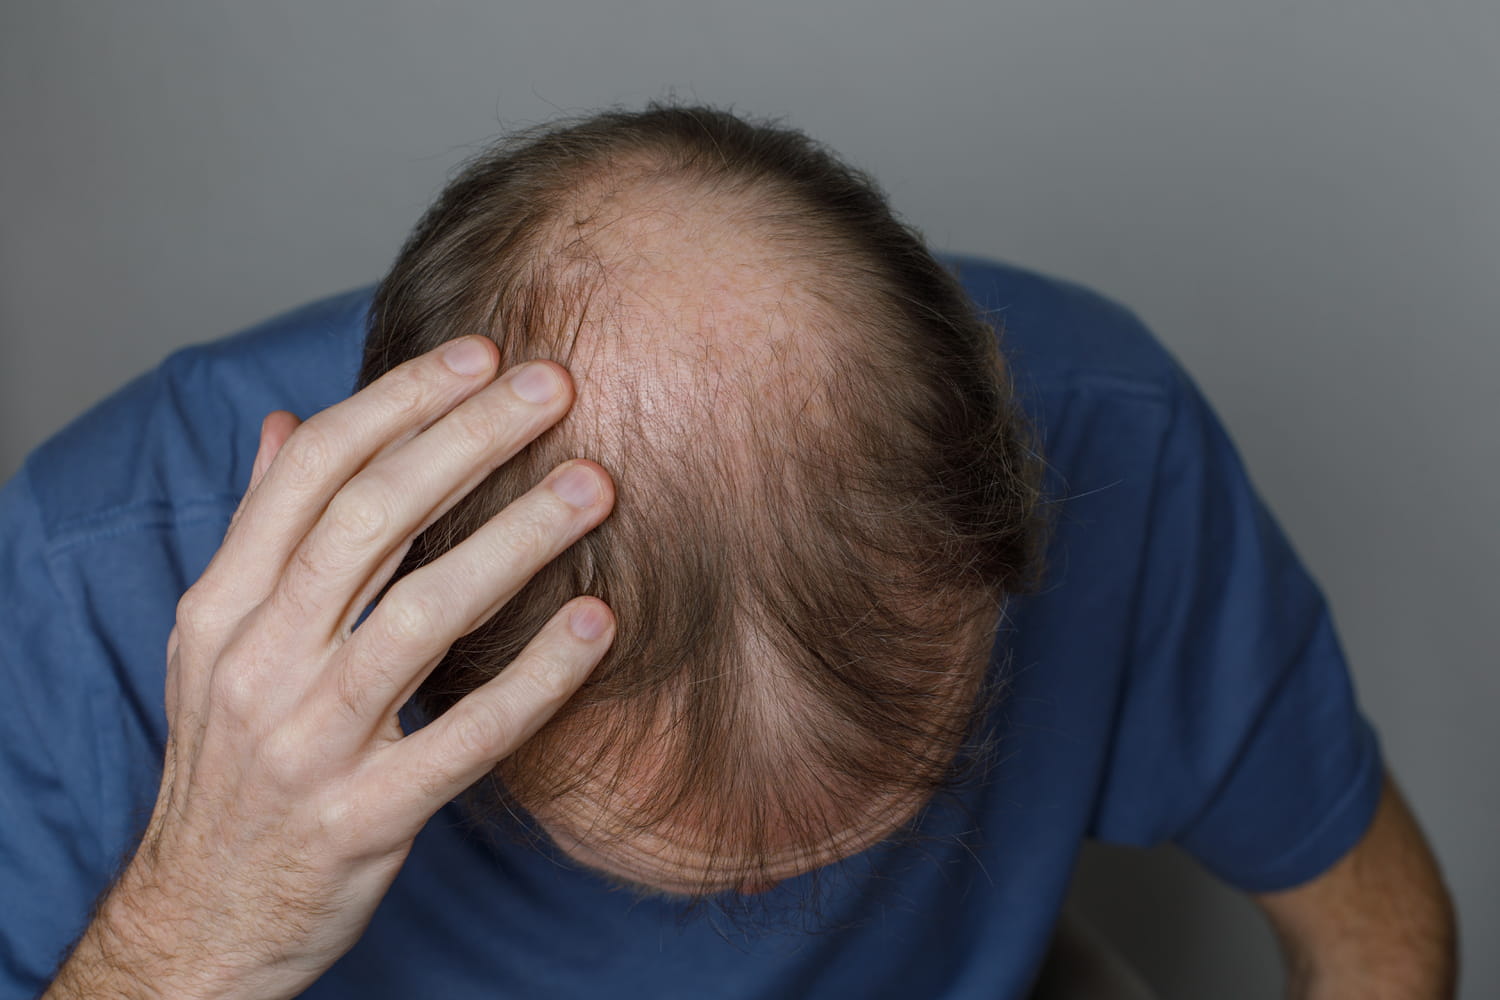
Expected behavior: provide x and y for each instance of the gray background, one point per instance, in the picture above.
(1299, 198)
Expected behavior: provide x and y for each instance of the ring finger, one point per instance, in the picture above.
(423, 613)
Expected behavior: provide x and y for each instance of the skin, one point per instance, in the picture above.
(1378, 925)
(290, 796)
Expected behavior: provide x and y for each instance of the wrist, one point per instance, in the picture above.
(142, 944)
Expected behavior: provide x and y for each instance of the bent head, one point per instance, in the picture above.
(824, 490)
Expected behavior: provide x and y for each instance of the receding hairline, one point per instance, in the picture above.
(639, 233)
(670, 299)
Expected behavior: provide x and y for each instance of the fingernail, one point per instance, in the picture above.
(535, 383)
(467, 356)
(588, 621)
(579, 486)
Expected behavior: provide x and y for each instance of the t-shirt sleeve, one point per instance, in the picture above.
(50, 856)
(1238, 735)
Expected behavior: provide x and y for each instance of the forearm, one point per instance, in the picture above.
(141, 945)
(1407, 952)
(103, 963)
(1379, 925)
(1424, 968)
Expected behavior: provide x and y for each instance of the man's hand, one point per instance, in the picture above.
(1378, 924)
(290, 796)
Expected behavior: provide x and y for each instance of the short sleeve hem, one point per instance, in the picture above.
(1332, 838)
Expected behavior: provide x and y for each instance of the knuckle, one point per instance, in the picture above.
(551, 678)
(282, 754)
(408, 387)
(531, 536)
(308, 454)
(194, 609)
(357, 518)
(436, 780)
(479, 731)
(407, 618)
(235, 691)
(343, 815)
(334, 815)
(476, 429)
(206, 613)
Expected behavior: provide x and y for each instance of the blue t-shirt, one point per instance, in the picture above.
(1177, 679)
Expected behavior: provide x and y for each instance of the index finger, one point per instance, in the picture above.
(328, 449)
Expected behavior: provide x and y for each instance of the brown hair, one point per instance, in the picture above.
(809, 550)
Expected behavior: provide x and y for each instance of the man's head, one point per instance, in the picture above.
(824, 490)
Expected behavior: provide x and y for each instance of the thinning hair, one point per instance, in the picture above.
(825, 488)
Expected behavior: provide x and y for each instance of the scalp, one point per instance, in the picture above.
(727, 396)
(823, 492)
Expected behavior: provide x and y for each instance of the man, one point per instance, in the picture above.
(813, 501)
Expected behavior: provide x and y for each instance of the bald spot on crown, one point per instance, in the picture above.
(698, 336)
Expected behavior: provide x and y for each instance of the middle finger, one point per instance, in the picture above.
(374, 517)
(426, 611)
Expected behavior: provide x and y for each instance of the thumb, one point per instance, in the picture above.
(277, 426)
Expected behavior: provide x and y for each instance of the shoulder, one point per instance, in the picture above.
(1104, 394)
(185, 432)
(1056, 333)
